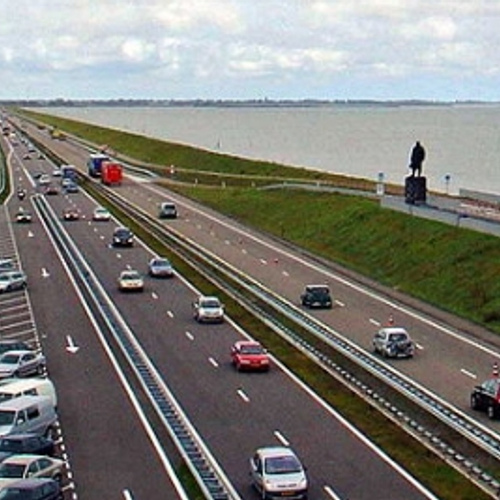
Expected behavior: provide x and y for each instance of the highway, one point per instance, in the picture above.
(234, 413)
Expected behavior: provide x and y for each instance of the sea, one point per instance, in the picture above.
(462, 141)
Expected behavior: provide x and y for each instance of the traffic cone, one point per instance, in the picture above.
(495, 369)
(390, 321)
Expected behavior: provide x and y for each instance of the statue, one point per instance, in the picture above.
(417, 157)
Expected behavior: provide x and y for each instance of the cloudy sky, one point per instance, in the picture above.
(250, 49)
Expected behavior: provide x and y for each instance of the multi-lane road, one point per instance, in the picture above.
(110, 449)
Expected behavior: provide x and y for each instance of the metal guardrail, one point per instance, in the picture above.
(210, 477)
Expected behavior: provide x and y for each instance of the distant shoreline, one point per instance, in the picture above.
(235, 103)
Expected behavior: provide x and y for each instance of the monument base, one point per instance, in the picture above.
(415, 190)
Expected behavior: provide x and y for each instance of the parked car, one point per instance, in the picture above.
(101, 214)
(23, 216)
(123, 237)
(277, 472)
(70, 214)
(393, 342)
(12, 280)
(168, 210)
(160, 267)
(33, 489)
(130, 281)
(21, 364)
(208, 309)
(249, 355)
(7, 345)
(486, 397)
(27, 466)
(316, 296)
(27, 443)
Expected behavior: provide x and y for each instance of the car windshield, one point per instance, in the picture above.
(320, 291)
(11, 470)
(282, 465)
(7, 417)
(160, 263)
(398, 337)
(210, 303)
(10, 359)
(251, 349)
(131, 275)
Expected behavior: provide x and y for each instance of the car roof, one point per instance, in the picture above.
(322, 287)
(275, 451)
(247, 342)
(23, 458)
(394, 329)
(20, 351)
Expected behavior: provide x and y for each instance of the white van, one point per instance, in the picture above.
(16, 387)
(34, 414)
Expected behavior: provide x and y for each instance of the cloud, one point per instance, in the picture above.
(295, 48)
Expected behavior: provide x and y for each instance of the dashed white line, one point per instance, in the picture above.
(340, 303)
(213, 362)
(281, 438)
(374, 322)
(242, 394)
(189, 335)
(170, 314)
(469, 374)
(329, 491)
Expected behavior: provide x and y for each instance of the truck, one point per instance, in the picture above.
(94, 163)
(111, 173)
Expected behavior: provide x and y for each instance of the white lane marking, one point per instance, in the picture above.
(282, 439)
(127, 495)
(420, 347)
(263, 261)
(45, 273)
(154, 295)
(375, 322)
(469, 374)
(227, 242)
(242, 394)
(189, 335)
(170, 314)
(30, 234)
(118, 255)
(285, 273)
(70, 345)
(213, 362)
(244, 250)
(329, 491)
(339, 303)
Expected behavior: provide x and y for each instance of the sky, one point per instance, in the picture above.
(443, 50)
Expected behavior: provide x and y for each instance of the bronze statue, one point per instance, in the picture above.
(417, 157)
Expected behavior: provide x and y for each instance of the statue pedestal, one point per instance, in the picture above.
(415, 190)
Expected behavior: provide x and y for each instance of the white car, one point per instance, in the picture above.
(22, 363)
(208, 309)
(101, 214)
(12, 280)
(44, 180)
(277, 472)
(18, 467)
(130, 281)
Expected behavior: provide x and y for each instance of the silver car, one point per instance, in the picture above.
(208, 309)
(393, 342)
(12, 280)
(22, 363)
(277, 472)
(160, 267)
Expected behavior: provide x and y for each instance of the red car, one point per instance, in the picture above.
(249, 355)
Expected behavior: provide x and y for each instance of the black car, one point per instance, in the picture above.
(486, 397)
(316, 296)
(123, 237)
(33, 489)
(20, 444)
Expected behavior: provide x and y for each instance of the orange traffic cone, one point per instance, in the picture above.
(390, 321)
(495, 369)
